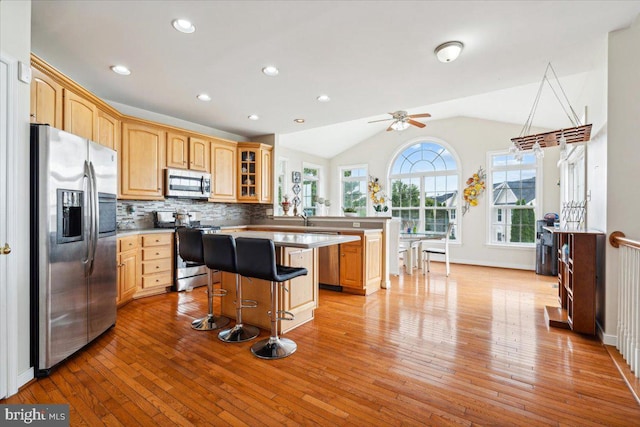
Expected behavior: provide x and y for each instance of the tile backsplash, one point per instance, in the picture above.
(134, 214)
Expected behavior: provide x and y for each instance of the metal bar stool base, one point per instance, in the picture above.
(239, 333)
(210, 323)
(274, 348)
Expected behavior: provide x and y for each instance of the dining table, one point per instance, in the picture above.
(411, 242)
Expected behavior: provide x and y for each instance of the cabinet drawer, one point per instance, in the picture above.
(158, 239)
(156, 280)
(156, 253)
(128, 243)
(156, 266)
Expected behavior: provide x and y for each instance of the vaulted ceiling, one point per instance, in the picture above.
(370, 57)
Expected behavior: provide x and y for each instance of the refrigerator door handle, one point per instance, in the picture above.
(89, 206)
(95, 216)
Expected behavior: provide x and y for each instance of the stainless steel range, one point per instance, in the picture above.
(187, 275)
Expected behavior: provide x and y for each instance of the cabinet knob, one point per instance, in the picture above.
(157, 253)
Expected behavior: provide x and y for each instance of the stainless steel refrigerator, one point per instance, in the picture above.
(73, 244)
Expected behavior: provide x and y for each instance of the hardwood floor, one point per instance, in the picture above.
(471, 349)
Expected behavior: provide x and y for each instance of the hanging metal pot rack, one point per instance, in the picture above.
(575, 134)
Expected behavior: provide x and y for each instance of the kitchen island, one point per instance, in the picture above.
(301, 298)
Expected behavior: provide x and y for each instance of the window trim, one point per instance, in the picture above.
(539, 167)
(286, 185)
(457, 172)
(319, 180)
(341, 169)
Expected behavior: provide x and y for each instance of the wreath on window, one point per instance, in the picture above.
(378, 197)
(474, 189)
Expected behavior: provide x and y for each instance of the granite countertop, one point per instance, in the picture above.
(133, 232)
(297, 240)
(316, 229)
(275, 228)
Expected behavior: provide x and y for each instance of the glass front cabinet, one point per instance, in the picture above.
(254, 172)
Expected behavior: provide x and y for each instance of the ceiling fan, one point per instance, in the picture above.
(402, 120)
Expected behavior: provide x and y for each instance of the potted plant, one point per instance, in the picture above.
(349, 211)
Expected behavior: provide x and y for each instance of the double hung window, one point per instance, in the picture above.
(514, 192)
(353, 189)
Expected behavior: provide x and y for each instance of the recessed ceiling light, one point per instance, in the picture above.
(270, 71)
(298, 120)
(204, 97)
(253, 117)
(120, 69)
(449, 51)
(323, 98)
(183, 25)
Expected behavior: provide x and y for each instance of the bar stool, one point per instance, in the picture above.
(191, 250)
(220, 254)
(257, 259)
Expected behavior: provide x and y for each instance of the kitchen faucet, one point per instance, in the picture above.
(305, 218)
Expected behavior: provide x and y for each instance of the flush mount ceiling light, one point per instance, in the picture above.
(323, 98)
(298, 120)
(449, 51)
(253, 117)
(204, 97)
(270, 71)
(183, 25)
(120, 69)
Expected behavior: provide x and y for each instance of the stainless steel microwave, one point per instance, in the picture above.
(187, 184)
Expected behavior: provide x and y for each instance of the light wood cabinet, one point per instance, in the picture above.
(254, 172)
(141, 159)
(177, 150)
(351, 265)
(109, 130)
(266, 172)
(157, 264)
(46, 100)
(223, 170)
(187, 152)
(128, 268)
(199, 154)
(80, 116)
(361, 264)
(300, 297)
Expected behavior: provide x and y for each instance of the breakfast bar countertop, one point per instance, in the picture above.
(297, 240)
(135, 231)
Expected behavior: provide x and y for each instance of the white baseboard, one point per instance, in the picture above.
(25, 377)
(494, 264)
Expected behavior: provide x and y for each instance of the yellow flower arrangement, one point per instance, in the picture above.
(475, 188)
(378, 197)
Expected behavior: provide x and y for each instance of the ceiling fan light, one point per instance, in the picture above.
(449, 51)
(399, 125)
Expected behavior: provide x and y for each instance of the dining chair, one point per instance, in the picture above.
(427, 251)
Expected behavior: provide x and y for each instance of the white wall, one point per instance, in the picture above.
(295, 160)
(470, 138)
(623, 154)
(15, 41)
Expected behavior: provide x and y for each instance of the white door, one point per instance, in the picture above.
(7, 109)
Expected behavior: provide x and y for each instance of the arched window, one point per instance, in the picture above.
(424, 181)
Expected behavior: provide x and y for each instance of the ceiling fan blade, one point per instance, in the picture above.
(382, 120)
(413, 122)
(413, 116)
(390, 128)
